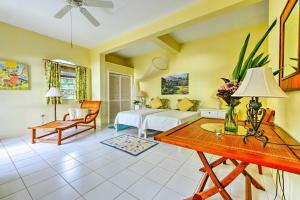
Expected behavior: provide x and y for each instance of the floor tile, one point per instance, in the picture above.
(88, 157)
(107, 191)
(11, 187)
(86, 183)
(67, 165)
(166, 193)
(154, 158)
(65, 192)
(190, 171)
(97, 163)
(125, 179)
(110, 170)
(7, 176)
(141, 167)
(28, 161)
(127, 160)
(24, 171)
(76, 173)
(144, 189)
(45, 187)
(170, 164)
(39, 176)
(21, 195)
(159, 175)
(125, 196)
(182, 185)
(7, 167)
(58, 159)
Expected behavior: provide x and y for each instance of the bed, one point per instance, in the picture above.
(166, 120)
(135, 118)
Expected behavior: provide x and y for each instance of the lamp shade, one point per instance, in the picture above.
(53, 92)
(141, 94)
(259, 82)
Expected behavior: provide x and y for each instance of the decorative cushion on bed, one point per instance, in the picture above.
(185, 104)
(165, 104)
(195, 106)
(156, 103)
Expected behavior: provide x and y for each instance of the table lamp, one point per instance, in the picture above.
(142, 95)
(54, 92)
(258, 82)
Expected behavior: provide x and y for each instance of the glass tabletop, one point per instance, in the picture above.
(218, 128)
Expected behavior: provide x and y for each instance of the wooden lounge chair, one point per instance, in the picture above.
(59, 126)
(94, 107)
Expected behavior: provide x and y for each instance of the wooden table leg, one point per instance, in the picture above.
(248, 188)
(59, 131)
(213, 177)
(246, 174)
(33, 136)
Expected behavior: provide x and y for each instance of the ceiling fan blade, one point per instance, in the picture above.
(63, 11)
(88, 15)
(99, 3)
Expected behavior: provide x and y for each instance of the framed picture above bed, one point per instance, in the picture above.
(176, 84)
(14, 75)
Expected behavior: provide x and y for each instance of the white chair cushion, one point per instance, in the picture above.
(72, 113)
(81, 113)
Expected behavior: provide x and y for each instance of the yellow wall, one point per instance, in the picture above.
(206, 60)
(287, 110)
(21, 109)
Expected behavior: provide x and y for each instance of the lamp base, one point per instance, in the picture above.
(259, 135)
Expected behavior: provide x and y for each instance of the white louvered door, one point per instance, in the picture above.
(119, 94)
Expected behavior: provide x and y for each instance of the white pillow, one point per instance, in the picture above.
(72, 113)
(81, 113)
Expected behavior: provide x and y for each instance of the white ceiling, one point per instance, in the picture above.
(37, 16)
(254, 14)
(138, 48)
(250, 15)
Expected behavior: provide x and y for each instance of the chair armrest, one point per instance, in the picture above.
(90, 114)
(65, 116)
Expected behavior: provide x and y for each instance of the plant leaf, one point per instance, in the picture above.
(276, 72)
(253, 52)
(237, 69)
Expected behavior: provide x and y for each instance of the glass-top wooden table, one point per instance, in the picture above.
(218, 129)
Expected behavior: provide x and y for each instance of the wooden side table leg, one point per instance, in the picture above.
(260, 169)
(33, 136)
(213, 177)
(248, 188)
(59, 136)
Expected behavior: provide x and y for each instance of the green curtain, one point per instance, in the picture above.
(81, 83)
(52, 70)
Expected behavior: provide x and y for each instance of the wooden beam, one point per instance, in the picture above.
(117, 59)
(168, 43)
(195, 13)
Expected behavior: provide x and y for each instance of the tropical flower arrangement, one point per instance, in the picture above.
(231, 85)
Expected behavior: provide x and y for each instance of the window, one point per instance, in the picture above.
(68, 82)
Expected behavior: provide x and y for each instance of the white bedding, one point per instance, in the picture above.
(164, 121)
(135, 117)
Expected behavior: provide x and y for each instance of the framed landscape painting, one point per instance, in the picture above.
(177, 84)
(14, 75)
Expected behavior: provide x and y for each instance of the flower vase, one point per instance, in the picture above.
(231, 120)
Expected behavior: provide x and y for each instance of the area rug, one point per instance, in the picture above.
(130, 144)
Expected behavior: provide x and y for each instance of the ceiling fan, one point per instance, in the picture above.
(79, 4)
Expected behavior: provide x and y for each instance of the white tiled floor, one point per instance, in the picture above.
(84, 169)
